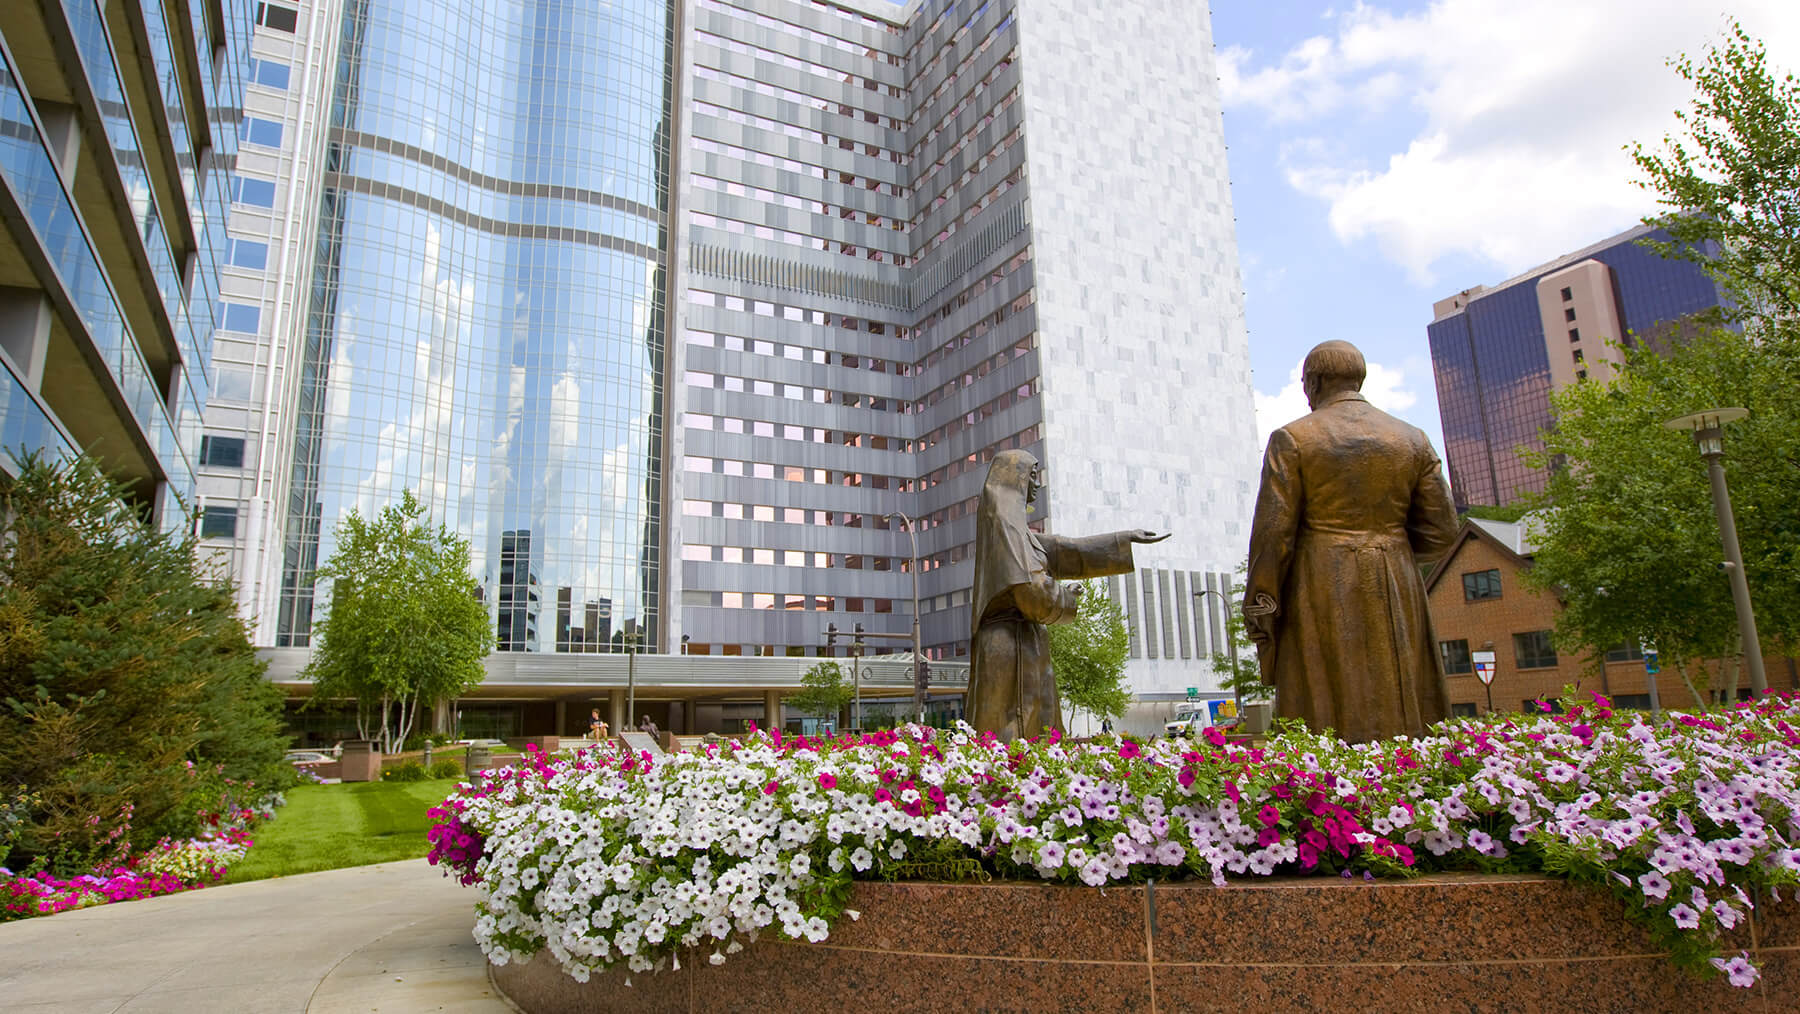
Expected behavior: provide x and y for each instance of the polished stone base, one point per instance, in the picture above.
(1444, 942)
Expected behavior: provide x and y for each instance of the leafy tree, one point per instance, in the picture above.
(406, 628)
(1630, 540)
(824, 691)
(1628, 537)
(1509, 514)
(1729, 178)
(1088, 656)
(1245, 677)
(128, 689)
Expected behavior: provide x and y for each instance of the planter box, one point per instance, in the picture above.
(1444, 942)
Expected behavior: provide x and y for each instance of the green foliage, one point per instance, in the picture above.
(1245, 677)
(405, 628)
(1728, 178)
(1088, 655)
(824, 691)
(122, 673)
(1630, 540)
(1509, 514)
(446, 769)
(411, 771)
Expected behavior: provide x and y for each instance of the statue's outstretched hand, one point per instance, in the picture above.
(1146, 536)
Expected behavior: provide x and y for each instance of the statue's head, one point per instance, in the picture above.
(1014, 470)
(1331, 367)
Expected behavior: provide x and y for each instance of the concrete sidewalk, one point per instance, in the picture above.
(392, 939)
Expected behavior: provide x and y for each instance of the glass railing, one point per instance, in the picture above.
(32, 177)
(25, 425)
(97, 59)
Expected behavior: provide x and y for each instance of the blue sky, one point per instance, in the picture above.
(1386, 155)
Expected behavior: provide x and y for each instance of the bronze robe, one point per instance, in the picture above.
(1012, 691)
(1352, 501)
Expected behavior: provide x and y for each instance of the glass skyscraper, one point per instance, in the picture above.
(1498, 352)
(118, 137)
(487, 304)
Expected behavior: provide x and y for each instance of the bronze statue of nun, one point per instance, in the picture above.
(1012, 691)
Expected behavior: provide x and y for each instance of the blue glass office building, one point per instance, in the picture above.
(486, 318)
(1498, 352)
(118, 134)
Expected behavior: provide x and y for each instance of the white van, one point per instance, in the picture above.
(1191, 717)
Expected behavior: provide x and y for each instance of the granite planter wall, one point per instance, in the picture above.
(1443, 942)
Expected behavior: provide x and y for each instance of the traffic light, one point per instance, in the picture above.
(831, 633)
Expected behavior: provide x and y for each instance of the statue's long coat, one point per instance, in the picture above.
(1012, 690)
(1352, 502)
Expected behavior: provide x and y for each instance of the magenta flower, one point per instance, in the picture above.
(1269, 815)
(769, 789)
(827, 781)
(1129, 749)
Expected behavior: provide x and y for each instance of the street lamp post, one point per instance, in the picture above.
(1709, 437)
(1237, 695)
(918, 656)
(631, 637)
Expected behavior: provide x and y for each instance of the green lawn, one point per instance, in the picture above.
(327, 827)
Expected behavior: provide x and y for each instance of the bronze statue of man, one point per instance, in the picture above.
(1352, 502)
(1012, 691)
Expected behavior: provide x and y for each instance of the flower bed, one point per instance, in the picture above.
(600, 858)
(166, 868)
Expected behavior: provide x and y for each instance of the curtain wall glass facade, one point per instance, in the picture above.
(1492, 365)
(487, 307)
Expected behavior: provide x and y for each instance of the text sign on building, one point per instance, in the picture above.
(1484, 665)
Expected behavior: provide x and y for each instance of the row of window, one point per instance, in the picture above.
(1531, 650)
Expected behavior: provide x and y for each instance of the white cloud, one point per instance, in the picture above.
(1524, 108)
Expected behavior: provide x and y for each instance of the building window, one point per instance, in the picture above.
(281, 19)
(1456, 657)
(222, 452)
(260, 131)
(218, 523)
(240, 317)
(1567, 294)
(1569, 314)
(1636, 702)
(1533, 706)
(1482, 584)
(1574, 334)
(252, 191)
(270, 73)
(1463, 710)
(245, 253)
(1579, 357)
(232, 383)
(1580, 374)
(1625, 653)
(1534, 650)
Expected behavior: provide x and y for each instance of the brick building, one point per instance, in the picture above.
(1480, 602)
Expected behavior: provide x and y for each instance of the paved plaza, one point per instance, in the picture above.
(392, 939)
